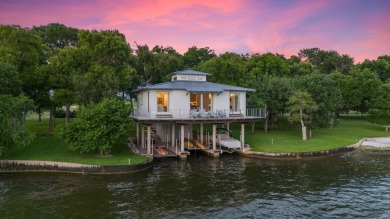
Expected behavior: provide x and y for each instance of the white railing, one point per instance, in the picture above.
(256, 112)
(196, 114)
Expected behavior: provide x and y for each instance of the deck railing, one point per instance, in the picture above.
(196, 114)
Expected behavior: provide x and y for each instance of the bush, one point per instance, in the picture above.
(98, 127)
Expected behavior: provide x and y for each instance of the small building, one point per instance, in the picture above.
(171, 108)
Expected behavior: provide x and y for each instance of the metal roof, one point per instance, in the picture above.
(189, 72)
(194, 86)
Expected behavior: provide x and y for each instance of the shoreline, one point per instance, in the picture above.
(17, 166)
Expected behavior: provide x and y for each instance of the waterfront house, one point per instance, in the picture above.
(168, 110)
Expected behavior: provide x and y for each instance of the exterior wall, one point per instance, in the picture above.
(242, 100)
(142, 103)
(179, 103)
(153, 103)
(221, 102)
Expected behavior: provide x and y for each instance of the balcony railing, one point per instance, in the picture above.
(198, 114)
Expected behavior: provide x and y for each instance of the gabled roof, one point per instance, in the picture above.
(194, 86)
(189, 72)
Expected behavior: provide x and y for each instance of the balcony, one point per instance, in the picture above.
(200, 115)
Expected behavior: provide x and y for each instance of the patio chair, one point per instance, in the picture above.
(193, 113)
(221, 113)
(212, 114)
(203, 114)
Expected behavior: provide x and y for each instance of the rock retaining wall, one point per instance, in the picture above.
(49, 166)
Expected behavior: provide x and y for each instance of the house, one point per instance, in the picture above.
(171, 108)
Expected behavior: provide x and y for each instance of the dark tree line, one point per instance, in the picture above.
(58, 66)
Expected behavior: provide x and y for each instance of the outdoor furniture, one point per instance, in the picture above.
(221, 113)
(212, 114)
(203, 114)
(193, 113)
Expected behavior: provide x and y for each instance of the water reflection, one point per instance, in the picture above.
(350, 185)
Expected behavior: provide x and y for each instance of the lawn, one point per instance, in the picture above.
(52, 148)
(349, 130)
(289, 139)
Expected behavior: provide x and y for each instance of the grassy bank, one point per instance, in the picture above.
(289, 139)
(52, 148)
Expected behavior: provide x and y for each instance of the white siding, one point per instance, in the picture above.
(153, 103)
(242, 100)
(221, 102)
(179, 103)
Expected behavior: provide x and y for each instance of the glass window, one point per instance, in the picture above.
(234, 102)
(162, 101)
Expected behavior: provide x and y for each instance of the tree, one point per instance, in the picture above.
(25, 50)
(274, 92)
(10, 82)
(379, 113)
(327, 61)
(228, 68)
(381, 67)
(195, 55)
(106, 59)
(65, 67)
(165, 61)
(12, 123)
(325, 93)
(57, 36)
(301, 106)
(98, 127)
(269, 64)
(364, 88)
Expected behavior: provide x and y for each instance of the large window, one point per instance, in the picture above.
(162, 101)
(234, 102)
(201, 101)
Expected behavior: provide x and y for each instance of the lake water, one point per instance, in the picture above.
(352, 185)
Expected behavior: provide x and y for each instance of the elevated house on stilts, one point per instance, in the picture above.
(167, 112)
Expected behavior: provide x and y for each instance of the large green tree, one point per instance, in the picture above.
(98, 127)
(65, 68)
(106, 58)
(57, 36)
(228, 68)
(195, 55)
(12, 123)
(380, 108)
(25, 50)
(381, 67)
(364, 87)
(273, 92)
(327, 61)
(268, 64)
(325, 93)
(10, 82)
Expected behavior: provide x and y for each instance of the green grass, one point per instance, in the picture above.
(349, 131)
(52, 148)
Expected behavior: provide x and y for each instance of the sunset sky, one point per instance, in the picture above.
(360, 28)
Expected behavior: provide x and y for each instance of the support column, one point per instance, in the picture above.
(142, 136)
(228, 126)
(182, 138)
(149, 147)
(137, 135)
(214, 137)
(201, 133)
(201, 101)
(242, 136)
(173, 135)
